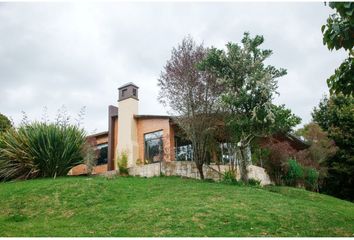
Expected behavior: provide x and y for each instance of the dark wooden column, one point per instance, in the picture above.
(112, 114)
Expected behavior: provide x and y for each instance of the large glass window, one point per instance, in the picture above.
(183, 150)
(102, 154)
(153, 147)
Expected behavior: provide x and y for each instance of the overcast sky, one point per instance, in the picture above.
(78, 54)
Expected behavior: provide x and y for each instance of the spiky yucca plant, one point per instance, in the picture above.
(41, 150)
(15, 160)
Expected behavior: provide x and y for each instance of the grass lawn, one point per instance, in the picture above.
(166, 206)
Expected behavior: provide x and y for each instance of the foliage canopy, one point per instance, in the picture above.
(5, 123)
(248, 87)
(339, 33)
(336, 116)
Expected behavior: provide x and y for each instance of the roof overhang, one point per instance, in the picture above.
(100, 134)
(152, 117)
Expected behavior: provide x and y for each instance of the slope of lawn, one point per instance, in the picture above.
(166, 206)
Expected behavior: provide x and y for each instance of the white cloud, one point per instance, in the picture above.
(77, 54)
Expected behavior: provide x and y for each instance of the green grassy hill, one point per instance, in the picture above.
(127, 206)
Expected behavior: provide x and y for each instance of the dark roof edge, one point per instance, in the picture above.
(152, 116)
(297, 139)
(128, 84)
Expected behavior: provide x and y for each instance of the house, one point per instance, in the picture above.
(142, 138)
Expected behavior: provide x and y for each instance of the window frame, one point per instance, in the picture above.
(161, 152)
(98, 148)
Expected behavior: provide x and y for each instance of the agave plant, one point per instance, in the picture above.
(41, 150)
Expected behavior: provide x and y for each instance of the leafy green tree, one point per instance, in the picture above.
(339, 33)
(283, 120)
(248, 90)
(5, 123)
(336, 116)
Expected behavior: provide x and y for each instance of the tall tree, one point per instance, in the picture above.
(192, 96)
(248, 89)
(338, 33)
(336, 116)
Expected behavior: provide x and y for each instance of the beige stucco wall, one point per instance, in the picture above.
(127, 134)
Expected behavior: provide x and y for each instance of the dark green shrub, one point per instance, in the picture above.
(294, 173)
(5, 123)
(41, 150)
(311, 179)
(229, 177)
(253, 182)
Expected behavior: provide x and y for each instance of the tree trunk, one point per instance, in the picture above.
(200, 169)
(243, 165)
(199, 156)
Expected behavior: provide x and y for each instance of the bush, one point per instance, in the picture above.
(229, 177)
(294, 173)
(90, 154)
(41, 150)
(5, 123)
(123, 163)
(311, 179)
(276, 160)
(253, 182)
